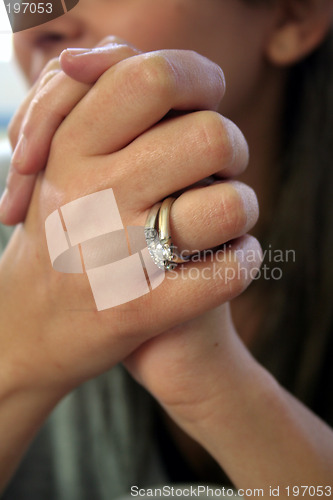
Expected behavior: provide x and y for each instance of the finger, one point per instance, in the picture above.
(172, 156)
(205, 218)
(50, 70)
(73, 65)
(53, 103)
(46, 111)
(34, 125)
(207, 283)
(87, 66)
(137, 93)
(16, 197)
(43, 110)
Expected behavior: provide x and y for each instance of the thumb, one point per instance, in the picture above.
(87, 65)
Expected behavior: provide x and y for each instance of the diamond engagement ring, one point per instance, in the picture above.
(158, 238)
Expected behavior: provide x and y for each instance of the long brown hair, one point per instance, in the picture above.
(296, 341)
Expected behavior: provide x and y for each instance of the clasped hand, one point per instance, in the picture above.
(146, 125)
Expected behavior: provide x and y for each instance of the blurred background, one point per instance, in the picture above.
(12, 87)
(12, 91)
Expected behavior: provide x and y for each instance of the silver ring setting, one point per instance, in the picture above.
(158, 238)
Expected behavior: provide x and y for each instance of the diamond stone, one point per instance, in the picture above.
(159, 250)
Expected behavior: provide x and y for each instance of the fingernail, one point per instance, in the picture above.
(250, 202)
(19, 152)
(77, 52)
(4, 204)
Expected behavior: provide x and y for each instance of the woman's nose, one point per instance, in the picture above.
(48, 40)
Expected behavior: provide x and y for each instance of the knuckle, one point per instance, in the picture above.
(13, 129)
(233, 214)
(246, 262)
(253, 211)
(41, 107)
(38, 113)
(37, 106)
(236, 279)
(59, 142)
(51, 65)
(248, 204)
(46, 77)
(110, 40)
(239, 283)
(152, 75)
(214, 139)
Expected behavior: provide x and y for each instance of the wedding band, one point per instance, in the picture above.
(158, 237)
